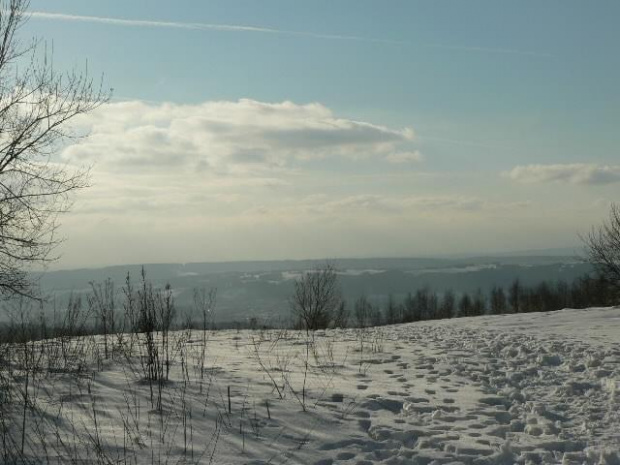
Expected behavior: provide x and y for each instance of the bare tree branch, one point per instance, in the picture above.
(603, 249)
(37, 103)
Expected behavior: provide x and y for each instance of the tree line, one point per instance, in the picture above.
(428, 304)
(317, 304)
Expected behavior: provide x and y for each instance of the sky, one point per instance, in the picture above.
(246, 130)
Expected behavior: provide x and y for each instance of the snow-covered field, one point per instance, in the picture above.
(529, 388)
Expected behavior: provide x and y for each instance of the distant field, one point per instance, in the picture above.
(262, 289)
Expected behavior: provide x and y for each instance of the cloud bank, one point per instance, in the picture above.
(576, 173)
(238, 137)
(372, 206)
(405, 157)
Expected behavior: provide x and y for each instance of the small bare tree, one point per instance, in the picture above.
(102, 303)
(36, 105)
(316, 298)
(363, 310)
(603, 249)
(204, 304)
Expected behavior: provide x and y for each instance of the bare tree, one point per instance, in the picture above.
(603, 249)
(363, 310)
(391, 311)
(36, 105)
(448, 305)
(102, 304)
(204, 304)
(499, 303)
(341, 318)
(316, 298)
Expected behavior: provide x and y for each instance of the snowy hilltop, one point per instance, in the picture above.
(532, 388)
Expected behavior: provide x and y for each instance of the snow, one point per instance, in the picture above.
(456, 269)
(532, 388)
(291, 275)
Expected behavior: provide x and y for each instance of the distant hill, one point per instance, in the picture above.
(262, 288)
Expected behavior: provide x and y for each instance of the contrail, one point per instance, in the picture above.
(465, 48)
(196, 26)
(265, 30)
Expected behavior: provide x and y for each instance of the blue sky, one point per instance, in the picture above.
(412, 128)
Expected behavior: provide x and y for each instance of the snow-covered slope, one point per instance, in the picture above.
(529, 388)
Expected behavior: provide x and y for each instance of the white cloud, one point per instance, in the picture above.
(372, 206)
(461, 203)
(224, 137)
(576, 173)
(351, 205)
(405, 157)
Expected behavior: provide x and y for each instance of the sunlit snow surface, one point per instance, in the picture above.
(529, 388)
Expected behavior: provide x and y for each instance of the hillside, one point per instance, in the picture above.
(530, 388)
